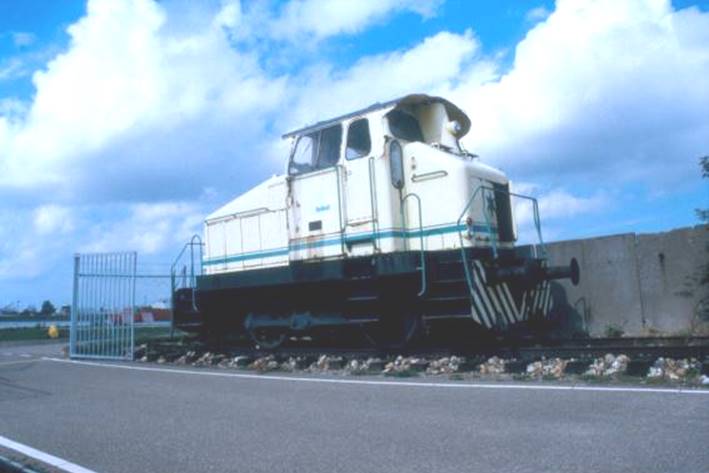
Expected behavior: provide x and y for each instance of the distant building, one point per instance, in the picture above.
(8, 311)
(151, 314)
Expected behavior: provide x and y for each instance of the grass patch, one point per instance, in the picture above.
(29, 333)
(402, 374)
(594, 379)
(153, 334)
(362, 372)
(614, 331)
(142, 334)
(663, 381)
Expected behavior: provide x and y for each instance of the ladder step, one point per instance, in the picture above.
(448, 298)
(449, 281)
(360, 278)
(362, 298)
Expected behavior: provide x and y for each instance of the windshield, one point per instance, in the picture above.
(317, 150)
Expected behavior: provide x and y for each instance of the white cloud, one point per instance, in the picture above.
(11, 69)
(558, 208)
(147, 228)
(23, 38)
(556, 203)
(433, 64)
(537, 14)
(32, 240)
(562, 204)
(51, 233)
(125, 74)
(50, 219)
(613, 90)
(319, 19)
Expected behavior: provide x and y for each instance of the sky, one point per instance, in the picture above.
(124, 122)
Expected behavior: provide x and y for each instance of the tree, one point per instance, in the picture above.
(703, 214)
(47, 308)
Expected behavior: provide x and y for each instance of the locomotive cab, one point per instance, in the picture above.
(382, 221)
(351, 176)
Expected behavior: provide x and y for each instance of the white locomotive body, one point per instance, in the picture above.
(381, 220)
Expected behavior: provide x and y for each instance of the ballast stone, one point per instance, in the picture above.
(326, 363)
(265, 363)
(674, 370)
(609, 365)
(494, 365)
(405, 364)
(445, 365)
(553, 368)
(370, 365)
(208, 359)
(294, 363)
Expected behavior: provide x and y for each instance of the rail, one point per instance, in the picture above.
(422, 253)
(488, 197)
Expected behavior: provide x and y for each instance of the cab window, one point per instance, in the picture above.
(404, 126)
(303, 155)
(329, 150)
(359, 143)
(317, 150)
(396, 163)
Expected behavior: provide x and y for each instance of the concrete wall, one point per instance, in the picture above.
(647, 284)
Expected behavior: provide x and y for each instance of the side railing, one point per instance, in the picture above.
(179, 276)
(487, 195)
(422, 265)
(373, 202)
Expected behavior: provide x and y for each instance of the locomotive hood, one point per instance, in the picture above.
(453, 112)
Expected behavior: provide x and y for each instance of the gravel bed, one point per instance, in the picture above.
(608, 368)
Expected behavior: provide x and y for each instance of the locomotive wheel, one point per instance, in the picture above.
(268, 338)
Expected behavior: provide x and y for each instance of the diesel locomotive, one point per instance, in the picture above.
(382, 224)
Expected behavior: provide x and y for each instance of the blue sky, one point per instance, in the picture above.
(123, 123)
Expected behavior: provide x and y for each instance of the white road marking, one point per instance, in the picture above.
(26, 355)
(531, 387)
(43, 457)
(4, 363)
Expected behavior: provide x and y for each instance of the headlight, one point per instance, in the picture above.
(454, 128)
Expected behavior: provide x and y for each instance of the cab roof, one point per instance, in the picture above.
(414, 99)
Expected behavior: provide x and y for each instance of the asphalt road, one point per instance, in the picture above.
(125, 420)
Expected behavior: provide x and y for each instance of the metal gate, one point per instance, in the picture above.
(103, 308)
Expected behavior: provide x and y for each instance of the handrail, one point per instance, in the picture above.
(373, 201)
(196, 240)
(487, 212)
(342, 221)
(422, 253)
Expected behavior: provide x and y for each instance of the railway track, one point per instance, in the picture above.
(640, 350)
(636, 348)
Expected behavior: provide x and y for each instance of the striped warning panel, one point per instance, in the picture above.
(495, 306)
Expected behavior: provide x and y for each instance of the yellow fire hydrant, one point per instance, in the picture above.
(53, 331)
